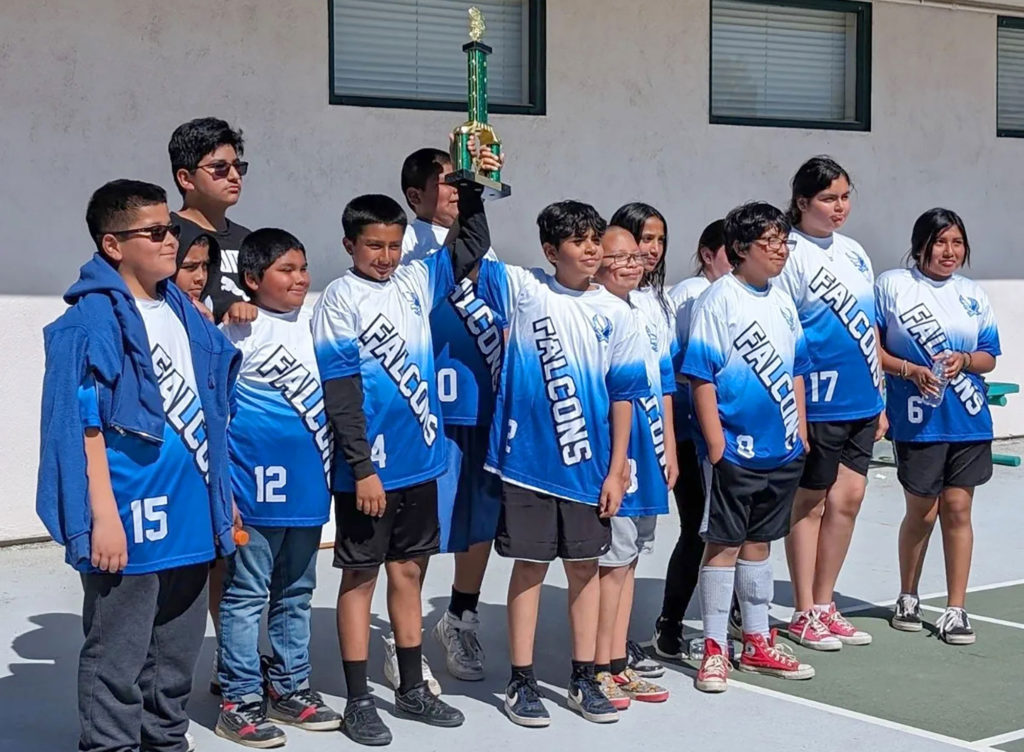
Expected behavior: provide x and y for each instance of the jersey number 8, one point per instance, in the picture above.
(745, 446)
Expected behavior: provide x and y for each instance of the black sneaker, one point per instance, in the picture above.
(638, 660)
(906, 614)
(735, 621)
(303, 708)
(246, 724)
(587, 699)
(419, 704)
(668, 640)
(954, 627)
(523, 705)
(362, 725)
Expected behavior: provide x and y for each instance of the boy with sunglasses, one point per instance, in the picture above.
(206, 162)
(134, 469)
(746, 359)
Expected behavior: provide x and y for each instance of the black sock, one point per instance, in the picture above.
(410, 667)
(355, 679)
(582, 668)
(618, 665)
(463, 602)
(523, 673)
(602, 668)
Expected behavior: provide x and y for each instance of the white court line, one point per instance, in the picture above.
(930, 596)
(975, 617)
(992, 741)
(882, 722)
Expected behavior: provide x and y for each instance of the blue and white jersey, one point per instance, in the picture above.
(920, 317)
(832, 284)
(280, 442)
(469, 344)
(683, 296)
(381, 330)
(162, 490)
(750, 345)
(570, 354)
(648, 482)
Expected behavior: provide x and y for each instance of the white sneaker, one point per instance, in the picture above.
(391, 667)
(464, 657)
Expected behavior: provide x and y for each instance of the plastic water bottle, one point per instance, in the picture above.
(939, 372)
(696, 649)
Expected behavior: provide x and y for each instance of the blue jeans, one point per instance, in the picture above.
(277, 565)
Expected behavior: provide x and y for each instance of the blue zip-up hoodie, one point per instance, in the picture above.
(103, 334)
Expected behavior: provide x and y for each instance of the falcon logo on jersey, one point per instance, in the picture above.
(383, 343)
(755, 349)
(652, 409)
(927, 332)
(788, 316)
(560, 388)
(183, 410)
(857, 323)
(858, 263)
(602, 327)
(479, 322)
(971, 305)
(414, 302)
(302, 391)
(652, 335)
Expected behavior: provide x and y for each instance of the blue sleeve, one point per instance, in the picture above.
(988, 333)
(627, 374)
(335, 338)
(89, 404)
(801, 358)
(880, 307)
(440, 276)
(493, 287)
(705, 350)
(668, 376)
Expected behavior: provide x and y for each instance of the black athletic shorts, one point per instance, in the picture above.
(536, 526)
(925, 468)
(748, 505)
(407, 530)
(847, 442)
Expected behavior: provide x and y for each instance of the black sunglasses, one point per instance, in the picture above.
(156, 233)
(222, 168)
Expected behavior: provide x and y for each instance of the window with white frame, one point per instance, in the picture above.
(1010, 77)
(408, 53)
(791, 63)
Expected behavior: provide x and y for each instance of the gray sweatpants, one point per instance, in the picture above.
(142, 638)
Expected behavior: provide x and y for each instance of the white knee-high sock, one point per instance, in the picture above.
(715, 599)
(754, 586)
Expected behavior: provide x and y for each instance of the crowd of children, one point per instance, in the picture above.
(199, 422)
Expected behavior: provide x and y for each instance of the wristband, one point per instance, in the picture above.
(970, 361)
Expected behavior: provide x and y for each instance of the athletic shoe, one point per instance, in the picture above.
(735, 620)
(839, 626)
(190, 741)
(420, 704)
(362, 725)
(639, 661)
(808, 630)
(714, 668)
(638, 688)
(668, 640)
(906, 614)
(391, 668)
(954, 627)
(618, 698)
(246, 723)
(463, 656)
(303, 708)
(214, 675)
(523, 705)
(587, 699)
(763, 656)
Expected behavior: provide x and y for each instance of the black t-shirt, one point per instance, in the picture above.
(225, 288)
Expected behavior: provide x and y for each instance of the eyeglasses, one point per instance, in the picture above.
(156, 233)
(222, 168)
(776, 243)
(620, 260)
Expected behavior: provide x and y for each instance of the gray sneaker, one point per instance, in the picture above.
(906, 614)
(391, 668)
(464, 657)
(246, 723)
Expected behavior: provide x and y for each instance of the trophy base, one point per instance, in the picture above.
(493, 190)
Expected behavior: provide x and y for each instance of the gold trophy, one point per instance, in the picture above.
(465, 167)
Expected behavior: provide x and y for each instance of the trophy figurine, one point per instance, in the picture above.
(465, 167)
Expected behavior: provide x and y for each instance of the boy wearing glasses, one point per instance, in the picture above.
(206, 162)
(134, 469)
(746, 359)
